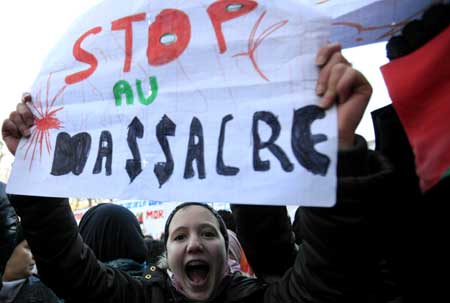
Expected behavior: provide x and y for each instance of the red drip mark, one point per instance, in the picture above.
(253, 45)
(45, 120)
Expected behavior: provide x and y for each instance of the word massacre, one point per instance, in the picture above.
(169, 36)
(72, 152)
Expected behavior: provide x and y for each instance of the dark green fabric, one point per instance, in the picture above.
(131, 267)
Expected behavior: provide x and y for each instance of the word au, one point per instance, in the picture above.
(123, 90)
(72, 152)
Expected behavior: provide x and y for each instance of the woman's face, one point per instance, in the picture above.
(196, 251)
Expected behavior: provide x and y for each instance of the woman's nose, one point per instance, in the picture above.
(194, 244)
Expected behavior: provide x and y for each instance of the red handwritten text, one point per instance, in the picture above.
(155, 214)
(168, 36)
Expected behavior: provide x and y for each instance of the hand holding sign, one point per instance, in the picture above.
(338, 81)
(18, 124)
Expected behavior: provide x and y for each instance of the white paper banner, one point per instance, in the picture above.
(183, 101)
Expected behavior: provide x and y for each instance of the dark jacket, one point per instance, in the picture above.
(417, 223)
(265, 232)
(8, 224)
(415, 226)
(331, 266)
(34, 291)
(129, 266)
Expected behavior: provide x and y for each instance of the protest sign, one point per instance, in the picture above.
(183, 100)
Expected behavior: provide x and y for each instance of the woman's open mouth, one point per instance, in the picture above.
(197, 271)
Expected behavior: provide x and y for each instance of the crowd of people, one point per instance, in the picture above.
(383, 241)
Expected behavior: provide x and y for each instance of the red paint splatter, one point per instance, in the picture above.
(254, 44)
(45, 120)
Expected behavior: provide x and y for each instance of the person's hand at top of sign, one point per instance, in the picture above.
(340, 83)
(18, 124)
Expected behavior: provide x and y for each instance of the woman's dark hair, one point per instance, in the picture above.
(222, 226)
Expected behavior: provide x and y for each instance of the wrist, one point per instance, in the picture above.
(352, 162)
(346, 142)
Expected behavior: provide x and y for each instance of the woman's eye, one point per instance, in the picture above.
(209, 234)
(179, 237)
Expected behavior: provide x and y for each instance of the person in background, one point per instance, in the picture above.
(415, 226)
(155, 248)
(19, 279)
(265, 233)
(115, 237)
(17, 270)
(8, 220)
(236, 256)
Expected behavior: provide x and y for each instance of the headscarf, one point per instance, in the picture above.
(234, 252)
(222, 227)
(113, 232)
